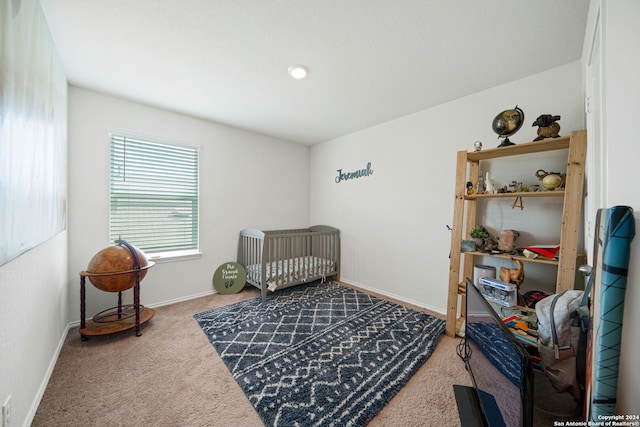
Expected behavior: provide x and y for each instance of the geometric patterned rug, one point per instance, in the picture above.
(320, 354)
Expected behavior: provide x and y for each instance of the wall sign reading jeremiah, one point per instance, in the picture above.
(343, 176)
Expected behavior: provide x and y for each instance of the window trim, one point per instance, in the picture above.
(171, 256)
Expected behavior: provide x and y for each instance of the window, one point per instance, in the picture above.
(154, 194)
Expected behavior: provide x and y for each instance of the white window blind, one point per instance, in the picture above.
(154, 194)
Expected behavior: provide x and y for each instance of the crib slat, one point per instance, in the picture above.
(285, 259)
(266, 256)
(281, 257)
(325, 247)
(290, 265)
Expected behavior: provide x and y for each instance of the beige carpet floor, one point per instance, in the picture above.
(172, 376)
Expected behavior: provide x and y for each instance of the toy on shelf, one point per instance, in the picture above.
(548, 126)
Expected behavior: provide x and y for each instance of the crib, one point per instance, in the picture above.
(278, 259)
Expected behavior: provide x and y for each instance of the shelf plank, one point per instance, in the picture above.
(555, 193)
(103, 328)
(518, 149)
(539, 260)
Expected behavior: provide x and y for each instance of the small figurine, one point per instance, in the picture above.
(514, 275)
(480, 187)
(547, 127)
(489, 244)
(490, 188)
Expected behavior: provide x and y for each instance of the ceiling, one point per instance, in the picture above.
(370, 61)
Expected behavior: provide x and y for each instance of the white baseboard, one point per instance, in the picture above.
(394, 296)
(45, 380)
(182, 299)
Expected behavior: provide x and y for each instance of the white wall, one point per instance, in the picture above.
(393, 222)
(246, 180)
(33, 315)
(33, 286)
(621, 36)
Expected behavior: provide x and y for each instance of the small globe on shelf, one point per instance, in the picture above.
(507, 123)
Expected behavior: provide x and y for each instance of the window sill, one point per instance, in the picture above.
(171, 256)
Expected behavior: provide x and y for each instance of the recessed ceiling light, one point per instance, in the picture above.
(298, 71)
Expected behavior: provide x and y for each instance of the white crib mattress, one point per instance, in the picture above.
(290, 270)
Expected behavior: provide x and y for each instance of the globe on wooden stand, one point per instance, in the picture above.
(116, 269)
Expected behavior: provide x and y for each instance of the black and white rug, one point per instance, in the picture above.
(320, 354)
